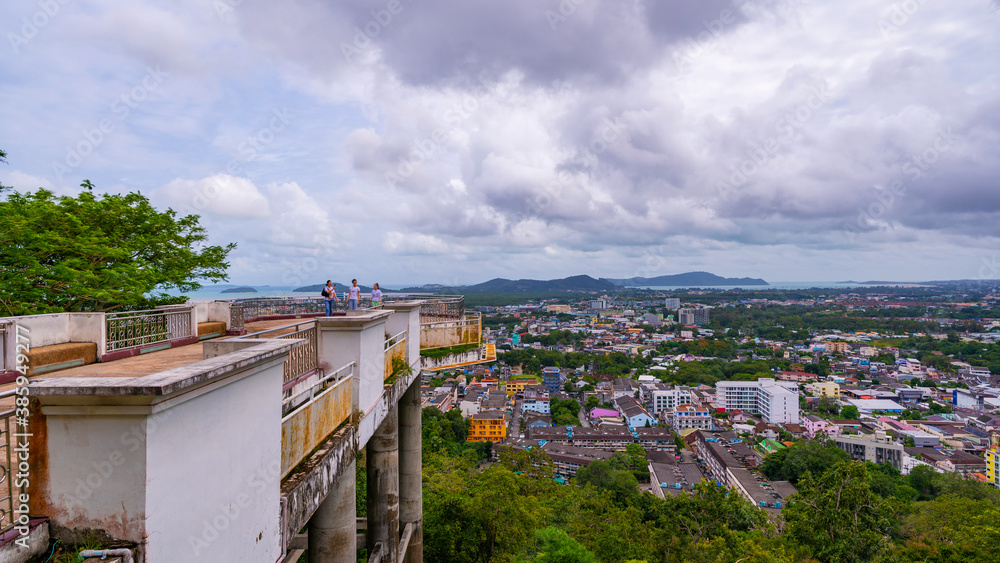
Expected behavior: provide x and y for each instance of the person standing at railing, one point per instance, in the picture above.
(330, 296)
(376, 296)
(353, 296)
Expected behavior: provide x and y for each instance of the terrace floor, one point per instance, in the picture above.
(148, 364)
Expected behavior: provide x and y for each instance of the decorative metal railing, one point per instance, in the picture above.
(260, 307)
(236, 316)
(395, 347)
(301, 359)
(441, 307)
(140, 328)
(7, 461)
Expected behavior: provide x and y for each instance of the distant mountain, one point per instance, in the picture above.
(689, 279)
(426, 288)
(341, 288)
(573, 283)
(242, 289)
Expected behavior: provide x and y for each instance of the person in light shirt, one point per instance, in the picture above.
(353, 296)
(376, 297)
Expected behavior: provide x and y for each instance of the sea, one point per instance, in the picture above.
(213, 293)
(785, 285)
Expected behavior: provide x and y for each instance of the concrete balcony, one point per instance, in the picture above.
(223, 449)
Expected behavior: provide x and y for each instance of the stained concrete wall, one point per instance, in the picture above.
(186, 463)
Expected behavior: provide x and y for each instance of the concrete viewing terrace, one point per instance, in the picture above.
(283, 397)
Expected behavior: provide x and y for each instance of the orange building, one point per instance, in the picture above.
(489, 426)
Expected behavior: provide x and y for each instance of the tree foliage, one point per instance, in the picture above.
(838, 516)
(805, 456)
(99, 253)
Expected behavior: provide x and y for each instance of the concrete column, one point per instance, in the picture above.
(410, 485)
(333, 527)
(383, 487)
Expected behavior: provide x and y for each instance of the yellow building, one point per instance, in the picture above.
(993, 462)
(514, 386)
(489, 426)
(824, 389)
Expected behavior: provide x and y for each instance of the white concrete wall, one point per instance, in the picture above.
(210, 312)
(97, 473)
(221, 453)
(360, 339)
(59, 328)
(192, 476)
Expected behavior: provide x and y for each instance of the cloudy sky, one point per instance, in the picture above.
(425, 141)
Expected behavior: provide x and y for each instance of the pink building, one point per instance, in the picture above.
(796, 376)
(815, 426)
(597, 413)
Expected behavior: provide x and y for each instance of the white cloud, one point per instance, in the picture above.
(220, 195)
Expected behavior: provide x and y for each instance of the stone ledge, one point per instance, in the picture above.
(165, 382)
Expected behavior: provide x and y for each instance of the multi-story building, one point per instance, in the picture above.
(993, 461)
(689, 416)
(665, 400)
(538, 405)
(695, 317)
(489, 426)
(878, 448)
(824, 389)
(816, 426)
(777, 402)
(515, 386)
(672, 303)
(552, 379)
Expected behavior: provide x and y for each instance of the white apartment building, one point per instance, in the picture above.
(777, 402)
(665, 400)
(689, 416)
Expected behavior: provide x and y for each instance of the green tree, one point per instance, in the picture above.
(850, 412)
(812, 456)
(99, 253)
(553, 545)
(838, 516)
(592, 403)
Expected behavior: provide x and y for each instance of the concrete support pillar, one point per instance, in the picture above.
(410, 485)
(333, 527)
(383, 488)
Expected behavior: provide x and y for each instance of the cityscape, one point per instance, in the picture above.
(533, 281)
